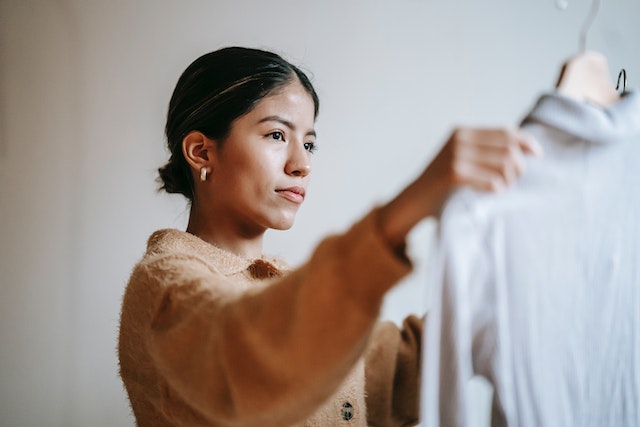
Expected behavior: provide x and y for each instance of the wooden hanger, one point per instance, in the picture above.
(585, 76)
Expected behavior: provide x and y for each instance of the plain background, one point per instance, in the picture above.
(84, 86)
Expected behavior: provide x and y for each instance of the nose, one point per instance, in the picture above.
(298, 163)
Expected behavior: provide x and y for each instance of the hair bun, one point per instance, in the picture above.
(174, 180)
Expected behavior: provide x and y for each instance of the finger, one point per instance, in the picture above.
(487, 138)
(529, 144)
(507, 161)
(481, 178)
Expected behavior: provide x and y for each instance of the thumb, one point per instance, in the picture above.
(528, 144)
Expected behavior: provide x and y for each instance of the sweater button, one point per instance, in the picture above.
(347, 411)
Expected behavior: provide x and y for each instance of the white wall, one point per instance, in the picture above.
(84, 86)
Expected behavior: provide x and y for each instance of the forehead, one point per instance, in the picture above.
(291, 100)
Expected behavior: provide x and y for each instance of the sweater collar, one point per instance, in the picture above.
(586, 121)
(172, 241)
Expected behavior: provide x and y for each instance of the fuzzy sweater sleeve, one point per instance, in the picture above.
(393, 361)
(271, 355)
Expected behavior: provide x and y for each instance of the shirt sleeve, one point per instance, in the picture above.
(271, 355)
(392, 370)
(456, 333)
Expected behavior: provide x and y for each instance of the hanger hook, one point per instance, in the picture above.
(623, 75)
(595, 6)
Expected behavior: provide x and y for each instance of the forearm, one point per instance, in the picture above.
(422, 198)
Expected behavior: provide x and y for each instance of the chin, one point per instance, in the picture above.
(283, 223)
(282, 226)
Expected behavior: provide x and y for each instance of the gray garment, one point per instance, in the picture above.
(537, 289)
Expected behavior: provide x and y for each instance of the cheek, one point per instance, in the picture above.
(262, 173)
(270, 164)
(255, 168)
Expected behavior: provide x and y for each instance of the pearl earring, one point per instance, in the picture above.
(203, 174)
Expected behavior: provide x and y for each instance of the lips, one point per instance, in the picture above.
(293, 194)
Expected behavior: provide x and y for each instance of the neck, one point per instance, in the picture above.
(225, 234)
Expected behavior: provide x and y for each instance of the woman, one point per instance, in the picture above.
(212, 332)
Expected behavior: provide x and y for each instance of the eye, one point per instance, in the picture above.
(277, 135)
(310, 147)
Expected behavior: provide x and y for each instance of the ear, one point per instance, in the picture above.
(197, 149)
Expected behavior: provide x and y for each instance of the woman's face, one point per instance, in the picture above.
(261, 171)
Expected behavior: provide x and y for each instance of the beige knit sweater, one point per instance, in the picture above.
(211, 339)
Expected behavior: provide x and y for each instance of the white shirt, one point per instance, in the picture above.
(538, 289)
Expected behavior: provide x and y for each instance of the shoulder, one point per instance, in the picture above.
(176, 266)
(175, 259)
(173, 251)
(170, 245)
(172, 241)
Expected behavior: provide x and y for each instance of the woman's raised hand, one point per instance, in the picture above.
(483, 159)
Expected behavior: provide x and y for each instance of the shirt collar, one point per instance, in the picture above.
(587, 121)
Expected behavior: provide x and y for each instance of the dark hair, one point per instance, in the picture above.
(211, 93)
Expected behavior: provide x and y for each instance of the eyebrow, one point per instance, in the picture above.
(285, 122)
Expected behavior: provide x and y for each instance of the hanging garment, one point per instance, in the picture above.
(537, 289)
